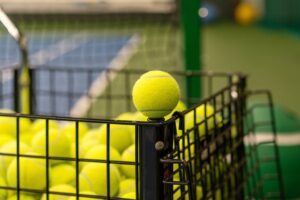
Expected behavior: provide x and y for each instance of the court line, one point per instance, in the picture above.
(281, 139)
(83, 104)
(51, 52)
(58, 49)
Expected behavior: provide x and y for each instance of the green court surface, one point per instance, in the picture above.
(269, 58)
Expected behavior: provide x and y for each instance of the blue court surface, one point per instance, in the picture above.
(68, 54)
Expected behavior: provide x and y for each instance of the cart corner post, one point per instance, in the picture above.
(191, 26)
(155, 142)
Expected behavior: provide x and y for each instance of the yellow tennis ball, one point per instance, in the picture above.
(5, 138)
(3, 192)
(129, 155)
(82, 148)
(130, 195)
(70, 130)
(93, 177)
(212, 119)
(40, 125)
(204, 122)
(22, 197)
(26, 137)
(179, 108)
(59, 144)
(65, 188)
(83, 198)
(32, 173)
(177, 194)
(91, 136)
(126, 116)
(138, 116)
(155, 94)
(126, 186)
(99, 152)
(62, 174)
(130, 117)
(11, 147)
(245, 13)
(8, 125)
(119, 136)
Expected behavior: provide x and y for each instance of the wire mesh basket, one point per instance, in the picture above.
(207, 151)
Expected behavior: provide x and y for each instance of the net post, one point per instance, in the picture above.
(191, 25)
(155, 143)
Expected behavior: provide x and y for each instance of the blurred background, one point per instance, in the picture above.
(257, 37)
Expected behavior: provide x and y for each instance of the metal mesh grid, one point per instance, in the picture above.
(199, 158)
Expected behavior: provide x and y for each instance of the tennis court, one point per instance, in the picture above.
(71, 50)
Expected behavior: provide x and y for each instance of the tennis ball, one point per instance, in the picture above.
(62, 174)
(126, 186)
(89, 140)
(59, 144)
(40, 124)
(70, 130)
(83, 148)
(126, 116)
(3, 192)
(8, 125)
(5, 138)
(91, 136)
(209, 117)
(99, 152)
(32, 173)
(245, 13)
(130, 195)
(179, 108)
(11, 147)
(201, 119)
(93, 177)
(130, 117)
(138, 116)
(22, 197)
(26, 137)
(155, 94)
(177, 194)
(129, 155)
(60, 188)
(119, 136)
(83, 198)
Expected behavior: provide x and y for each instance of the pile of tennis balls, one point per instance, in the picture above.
(155, 95)
(61, 145)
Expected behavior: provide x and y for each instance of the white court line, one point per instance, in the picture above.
(84, 103)
(58, 49)
(50, 53)
(284, 139)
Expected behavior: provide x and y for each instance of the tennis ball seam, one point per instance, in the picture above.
(86, 178)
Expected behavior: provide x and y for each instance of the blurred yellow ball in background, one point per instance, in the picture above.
(245, 14)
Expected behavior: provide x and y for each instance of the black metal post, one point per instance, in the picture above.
(16, 95)
(32, 99)
(155, 143)
(240, 107)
